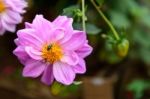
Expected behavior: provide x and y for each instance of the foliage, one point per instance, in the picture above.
(138, 87)
(133, 16)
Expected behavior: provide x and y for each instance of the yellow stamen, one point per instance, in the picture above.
(2, 6)
(51, 53)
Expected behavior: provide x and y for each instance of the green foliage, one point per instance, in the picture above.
(119, 19)
(100, 2)
(141, 45)
(69, 90)
(108, 51)
(64, 91)
(72, 11)
(75, 12)
(90, 28)
(138, 87)
(133, 16)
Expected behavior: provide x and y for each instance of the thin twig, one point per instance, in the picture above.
(83, 15)
(106, 20)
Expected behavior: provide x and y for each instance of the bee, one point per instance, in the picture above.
(49, 47)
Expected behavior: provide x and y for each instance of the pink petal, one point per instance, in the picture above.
(17, 41)
(9, 19)
(56, 34)
(16, 5)
(33, 68)
(84, 51)
(63, 73)
(70, 58)
(28, 25)
(27, 37)
(48, 76)
(21, 54)
(9, 4)
(66, 23)
(42, 27)
(33, 53)
(8, 26)
(2, 29)
(76, 41)
(80, 67)
(60, 20)
(14, 16)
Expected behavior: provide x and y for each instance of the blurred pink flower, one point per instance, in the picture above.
(10, 14)
(52, 49)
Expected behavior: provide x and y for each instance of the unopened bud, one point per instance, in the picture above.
(122, 48)
(56, 88)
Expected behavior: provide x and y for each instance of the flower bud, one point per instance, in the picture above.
(56, 88)
(122, 48)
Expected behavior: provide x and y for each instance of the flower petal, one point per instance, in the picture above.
(76, 41)
(14, 16)
(48, 76)
(70, 58)
(17, 41)
(16, 5)
(28, 25)
(42, 27)
(84, 51)
(27, 37)
(8, 26)
(8, 19)
(21, 54)
(63, 21)
(66, 23)
(2, 29)
(33, 68)
(80, 67)
(63, 73)
(56, 34)
(33, 53)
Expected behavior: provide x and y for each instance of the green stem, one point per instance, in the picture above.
(106, 20)
(83, 15)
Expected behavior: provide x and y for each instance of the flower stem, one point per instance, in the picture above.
(106, 20)
(83, 15)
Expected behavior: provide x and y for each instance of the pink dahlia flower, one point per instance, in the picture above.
(52, 49)
(10, 14)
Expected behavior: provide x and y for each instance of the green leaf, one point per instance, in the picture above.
(100, 2)
(72, 11)
(90, 28)
(144, 54)
(77, 26)
(146, 20)
(138, 87)
(141, 38)
(134, 8)
(119, 19)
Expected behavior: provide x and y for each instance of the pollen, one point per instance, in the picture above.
(2, 6)
(52, 52)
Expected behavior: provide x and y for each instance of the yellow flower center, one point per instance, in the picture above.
(2, 6)
(52, 52)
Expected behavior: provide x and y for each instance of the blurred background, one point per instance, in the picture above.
(108, 76)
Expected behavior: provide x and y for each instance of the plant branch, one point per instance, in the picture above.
(106, 20)
(83, 15)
